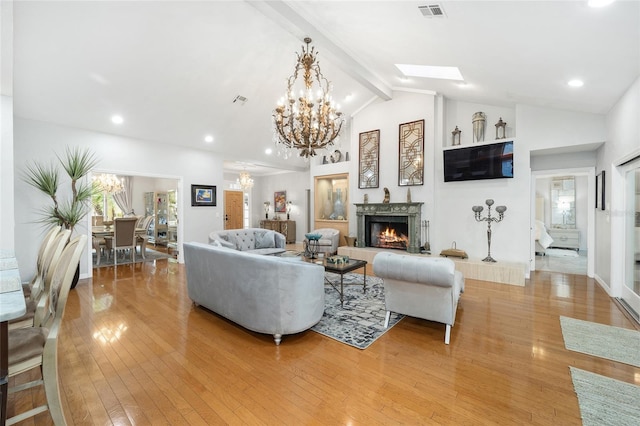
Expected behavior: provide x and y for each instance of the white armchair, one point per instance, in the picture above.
(329, 240)
(421, 287)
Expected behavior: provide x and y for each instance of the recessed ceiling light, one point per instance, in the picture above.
(428, 71)
(463, 85)
(599, 3)
(348, 97)
(117, 119)
(268, 151)
(575, 83)
(208, 139)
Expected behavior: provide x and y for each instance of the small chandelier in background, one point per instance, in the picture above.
(245, 180)
(109, 183)
(308, 121)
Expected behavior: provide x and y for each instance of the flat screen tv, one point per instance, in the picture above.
(491, 161)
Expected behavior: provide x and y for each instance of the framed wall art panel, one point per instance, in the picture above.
(203, 195)
(369, 159)
(411, 155)
(280, 202)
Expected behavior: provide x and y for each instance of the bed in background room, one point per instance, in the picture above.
(543, 239)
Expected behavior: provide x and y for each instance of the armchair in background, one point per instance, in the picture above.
(328, 242)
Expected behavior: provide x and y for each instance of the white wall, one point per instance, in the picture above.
(460, 114)
(623, 139)
(39, 141)
(7, 218)
(448, 205)
(7, 215)
(387, 116)
(295, 184)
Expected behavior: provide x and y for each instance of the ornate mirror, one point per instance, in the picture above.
(563, 202)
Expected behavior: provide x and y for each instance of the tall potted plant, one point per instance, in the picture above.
(67, 212)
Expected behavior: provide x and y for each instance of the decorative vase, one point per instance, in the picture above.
(338, 206)
(328, 206)
(478, 120)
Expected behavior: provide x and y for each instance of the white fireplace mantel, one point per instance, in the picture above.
(412, 211)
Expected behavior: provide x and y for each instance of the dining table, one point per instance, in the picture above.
(12, 305)
(100, 231)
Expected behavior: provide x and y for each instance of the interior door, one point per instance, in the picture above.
(233, 209)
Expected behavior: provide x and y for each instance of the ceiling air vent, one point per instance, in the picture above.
(432, 11)
(240, 99)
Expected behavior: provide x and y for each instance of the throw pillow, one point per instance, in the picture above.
(265, 239)
(215, 243)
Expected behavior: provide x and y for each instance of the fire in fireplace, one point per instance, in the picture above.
(389, 232)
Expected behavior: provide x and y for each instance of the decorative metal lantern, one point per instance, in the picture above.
(500, 129)
(455, 136)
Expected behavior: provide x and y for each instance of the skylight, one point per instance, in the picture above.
(430, 71)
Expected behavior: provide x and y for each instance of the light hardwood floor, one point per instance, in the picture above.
(134, 350)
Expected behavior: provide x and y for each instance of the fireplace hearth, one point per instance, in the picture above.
(389, 225)
(387, 232)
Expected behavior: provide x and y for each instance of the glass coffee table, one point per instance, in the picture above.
(341, 269)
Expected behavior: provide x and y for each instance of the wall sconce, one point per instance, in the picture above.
(266, 209)
(455, 136)
(477, 210)
(289, 206)
(500, 129)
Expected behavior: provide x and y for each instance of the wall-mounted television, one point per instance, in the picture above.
(490, 161)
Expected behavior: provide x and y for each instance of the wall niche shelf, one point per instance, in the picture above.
(331, 202)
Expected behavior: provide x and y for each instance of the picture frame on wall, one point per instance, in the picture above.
(369, 159)
(280, 202)
(411, 153)
(600, 190)
(203, 195)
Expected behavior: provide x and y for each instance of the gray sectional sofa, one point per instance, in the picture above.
(254, 240)
(265, 294)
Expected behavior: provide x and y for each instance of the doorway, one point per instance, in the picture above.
(233, 209)
(629, 221)
(141, 184)
(571, 225)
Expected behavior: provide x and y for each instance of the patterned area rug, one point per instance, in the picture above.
(149, 255)
(361, 320)
(604, 341)
(605, 401)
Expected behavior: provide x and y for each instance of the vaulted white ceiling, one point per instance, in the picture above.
(173, 69)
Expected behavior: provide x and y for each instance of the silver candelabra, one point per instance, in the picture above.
(500, 210)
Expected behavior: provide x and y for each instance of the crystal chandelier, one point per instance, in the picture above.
(309, 121)
(245, 180)
(109, 183)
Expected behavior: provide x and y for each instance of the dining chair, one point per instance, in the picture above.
(39, 291)
(124, 237)
(44, 246)
(142, 239)
(37, 346)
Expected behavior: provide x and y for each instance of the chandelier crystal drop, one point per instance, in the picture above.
(109, 183)
(245, 180)
(309, 120)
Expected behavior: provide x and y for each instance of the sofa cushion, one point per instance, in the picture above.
(245, 240)
(265, 239)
